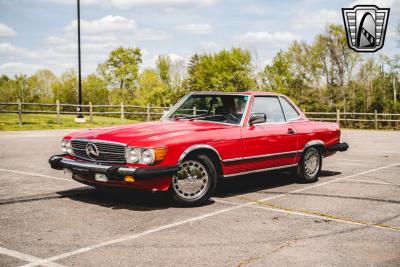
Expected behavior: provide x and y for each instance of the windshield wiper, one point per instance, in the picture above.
(204, 116)
(191, 117)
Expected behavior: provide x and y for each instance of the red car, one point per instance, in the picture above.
(205, 137)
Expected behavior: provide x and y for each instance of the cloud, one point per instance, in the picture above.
(98, 38)
(105, 24)
(196, 29)
(6, 30)
(209, 45)
(315, 19)
(124, 4)
(11, 68)
(172, 56)
(7, 49)
(111, 29)
(379, 3)
(273, 38)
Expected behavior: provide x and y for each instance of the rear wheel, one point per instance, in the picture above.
(195, 181)
(310, 165)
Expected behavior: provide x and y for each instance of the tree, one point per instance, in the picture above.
(95, 90)
(163, 67)
(121, 68)
(65, 88)
(41, 84)
(227, 70)
(152, 90)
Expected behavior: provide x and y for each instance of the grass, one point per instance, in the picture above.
(9, 122)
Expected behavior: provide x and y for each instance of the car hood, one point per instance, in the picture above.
(148, 133)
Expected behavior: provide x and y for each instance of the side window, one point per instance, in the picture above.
(270, 106)
(290, 112)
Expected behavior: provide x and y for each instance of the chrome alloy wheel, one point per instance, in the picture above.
(311, 161)
(191, 181)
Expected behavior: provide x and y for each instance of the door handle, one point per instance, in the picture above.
(291, 131)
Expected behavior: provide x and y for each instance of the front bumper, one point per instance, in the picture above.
(113, 173)
(338, 147)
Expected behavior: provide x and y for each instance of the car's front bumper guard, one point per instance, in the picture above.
(59, 162)
(338, 147)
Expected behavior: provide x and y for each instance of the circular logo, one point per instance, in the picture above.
(92, 151)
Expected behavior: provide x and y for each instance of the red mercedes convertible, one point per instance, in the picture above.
(205, 137)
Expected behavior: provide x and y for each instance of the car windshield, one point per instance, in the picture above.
(216, 108)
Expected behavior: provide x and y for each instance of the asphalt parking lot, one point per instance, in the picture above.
(350, 217)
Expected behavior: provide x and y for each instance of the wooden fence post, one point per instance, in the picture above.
(148, 112)
(194, 111)
(91, 112)
(338, 117)
(376, 119)
(58, 111)
(19, 112)
(122, 112)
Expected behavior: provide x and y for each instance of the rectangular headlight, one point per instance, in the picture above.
(66, 147)
(147, 156)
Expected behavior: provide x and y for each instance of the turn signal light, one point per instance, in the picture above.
(129, 179)
(160, 153)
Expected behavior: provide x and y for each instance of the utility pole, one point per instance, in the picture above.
(80, 118)
(383, 87)
(395, 92)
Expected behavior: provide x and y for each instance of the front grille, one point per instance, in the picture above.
(108, 152)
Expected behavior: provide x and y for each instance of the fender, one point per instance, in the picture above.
(314, 143)
(195, 147)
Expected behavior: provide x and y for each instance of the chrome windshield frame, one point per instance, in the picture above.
(171, 111)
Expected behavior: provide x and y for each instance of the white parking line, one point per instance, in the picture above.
(26, 257)
(344, 160)
(372, 182)
(382, 151)
(194, 219)
(37, 175)
(305, 214)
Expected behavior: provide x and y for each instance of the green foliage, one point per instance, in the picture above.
(94, 89)
(122, 67)
(9, 122)
(163, 67)
(227, 70)
(65, 88)
(326, 75)
(322, 75)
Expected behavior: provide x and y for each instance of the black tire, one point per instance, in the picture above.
(181, 190)
(305, 173)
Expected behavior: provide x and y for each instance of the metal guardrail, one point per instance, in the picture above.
(345, 119)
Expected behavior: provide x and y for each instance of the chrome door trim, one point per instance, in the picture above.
(259, 170)
(266, 156)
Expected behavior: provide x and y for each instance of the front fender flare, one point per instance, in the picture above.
(196, 147)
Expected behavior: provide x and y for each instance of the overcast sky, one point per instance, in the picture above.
(37, 34)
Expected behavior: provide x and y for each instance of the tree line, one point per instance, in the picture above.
(322, 75)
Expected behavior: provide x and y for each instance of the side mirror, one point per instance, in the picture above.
(257, 118)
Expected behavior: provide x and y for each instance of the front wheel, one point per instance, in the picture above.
(195, 181)
(310, 165)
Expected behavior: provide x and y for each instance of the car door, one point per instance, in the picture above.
(270, 144)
